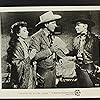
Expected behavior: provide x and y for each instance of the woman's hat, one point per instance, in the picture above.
(47, 17)
(21, 23)
(84, 19)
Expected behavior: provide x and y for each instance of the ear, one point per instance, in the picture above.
(86, 26)
(46, 24)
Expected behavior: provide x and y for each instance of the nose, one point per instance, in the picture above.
(76, 27)
(55, 25)
(27, 32)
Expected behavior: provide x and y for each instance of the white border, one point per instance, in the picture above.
(48, 93)
(46, 8)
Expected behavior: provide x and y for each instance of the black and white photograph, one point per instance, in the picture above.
(50, 48)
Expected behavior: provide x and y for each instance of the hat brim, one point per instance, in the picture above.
(55, 17)
(85, 21)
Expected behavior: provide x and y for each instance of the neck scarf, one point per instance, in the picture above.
(25, 47)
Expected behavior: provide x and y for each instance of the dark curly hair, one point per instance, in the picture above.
(14, 39)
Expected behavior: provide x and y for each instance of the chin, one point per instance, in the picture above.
(25, 37)
(78, 32)
(52, 30)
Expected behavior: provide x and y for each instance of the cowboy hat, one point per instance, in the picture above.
(17, 24)
(84, 19)
(47, 17)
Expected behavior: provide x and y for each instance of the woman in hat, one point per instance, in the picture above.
(85, 47)
(19, 57)
(42, 42)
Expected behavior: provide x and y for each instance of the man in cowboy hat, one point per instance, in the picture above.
(42, 42)
(86, 49)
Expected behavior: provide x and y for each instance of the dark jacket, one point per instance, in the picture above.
(91, 48)
(90, 57)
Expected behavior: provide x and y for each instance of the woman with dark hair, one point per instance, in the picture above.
(19, 58)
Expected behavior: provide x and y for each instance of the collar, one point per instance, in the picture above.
(23, 40)
(84, 33)
(46, 32)
(87, 34)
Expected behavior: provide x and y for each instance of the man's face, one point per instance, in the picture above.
(51, 26)
(80, 27)
(23, 32)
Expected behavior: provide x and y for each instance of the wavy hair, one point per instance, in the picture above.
(15, 28)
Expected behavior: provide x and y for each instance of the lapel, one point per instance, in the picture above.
(76, 42)
(24, 46)
(45, 38)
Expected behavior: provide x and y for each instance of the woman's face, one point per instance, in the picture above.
(23, 32)
(80, 27)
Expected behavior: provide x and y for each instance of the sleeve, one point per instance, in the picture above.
(96, 50)
(73, 52)
(61, 45)
(40, 54)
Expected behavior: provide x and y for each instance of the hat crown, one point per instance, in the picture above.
(84, 19)
(47, 16)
